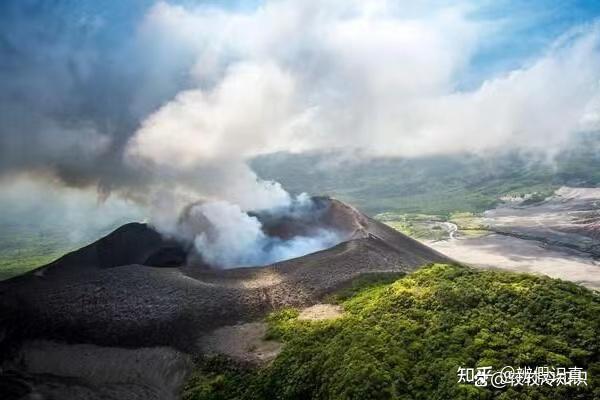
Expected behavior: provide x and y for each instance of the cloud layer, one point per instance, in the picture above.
(170, 101)
(299, 76)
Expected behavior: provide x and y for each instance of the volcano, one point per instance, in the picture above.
(136, 289)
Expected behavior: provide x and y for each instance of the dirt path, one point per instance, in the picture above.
(242, 342)
(321, 312)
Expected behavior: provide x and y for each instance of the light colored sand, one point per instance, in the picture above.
(246, 342)
(242, 342)
(321, 312)
(520, 255)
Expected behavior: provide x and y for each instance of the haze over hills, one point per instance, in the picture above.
(439, 184)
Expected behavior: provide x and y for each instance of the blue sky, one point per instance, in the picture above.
(530, 27)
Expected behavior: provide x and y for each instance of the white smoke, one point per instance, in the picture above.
(371, 75)
(201, 140)
(229, 237)
(210, 87)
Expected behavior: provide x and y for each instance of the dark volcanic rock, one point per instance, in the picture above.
(112, 292)
(84, 371)
(133, 243)
(167, 256)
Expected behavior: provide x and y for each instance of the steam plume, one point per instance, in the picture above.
(164, 103)
(229, 237)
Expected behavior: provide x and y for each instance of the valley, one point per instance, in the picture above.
(556, 236)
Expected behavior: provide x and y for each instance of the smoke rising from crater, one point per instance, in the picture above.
(164, 103)
(225, 236)
(202, 138)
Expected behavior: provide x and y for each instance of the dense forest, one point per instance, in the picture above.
(406, 339)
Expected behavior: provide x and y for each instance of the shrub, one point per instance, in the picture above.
(405, 340)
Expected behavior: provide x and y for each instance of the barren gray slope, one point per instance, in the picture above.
(570, 218)
(136, 305)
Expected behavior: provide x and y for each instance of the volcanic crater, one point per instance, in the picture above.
(137, 291)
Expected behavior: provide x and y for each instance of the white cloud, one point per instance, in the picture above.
(366, 75)
(75, 213)
(233, 120)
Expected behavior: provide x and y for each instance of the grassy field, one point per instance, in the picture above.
(418, 226)
(24, 247)
(428, 227)
(406, 340)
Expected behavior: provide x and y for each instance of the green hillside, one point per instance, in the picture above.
(406, 340)
(435, 184)
(24, 247)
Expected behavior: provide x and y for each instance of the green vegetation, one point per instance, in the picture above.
(406, 340)
(430, 227)
(468, 221)
(418, 226)
(24, 247)
(537, 197)
(361, 283)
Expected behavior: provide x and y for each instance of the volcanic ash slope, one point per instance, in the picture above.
(134, 289)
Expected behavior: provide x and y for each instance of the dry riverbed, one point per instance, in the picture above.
(519, 255)
(558, 237)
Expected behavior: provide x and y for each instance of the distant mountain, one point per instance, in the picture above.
(435, 184)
